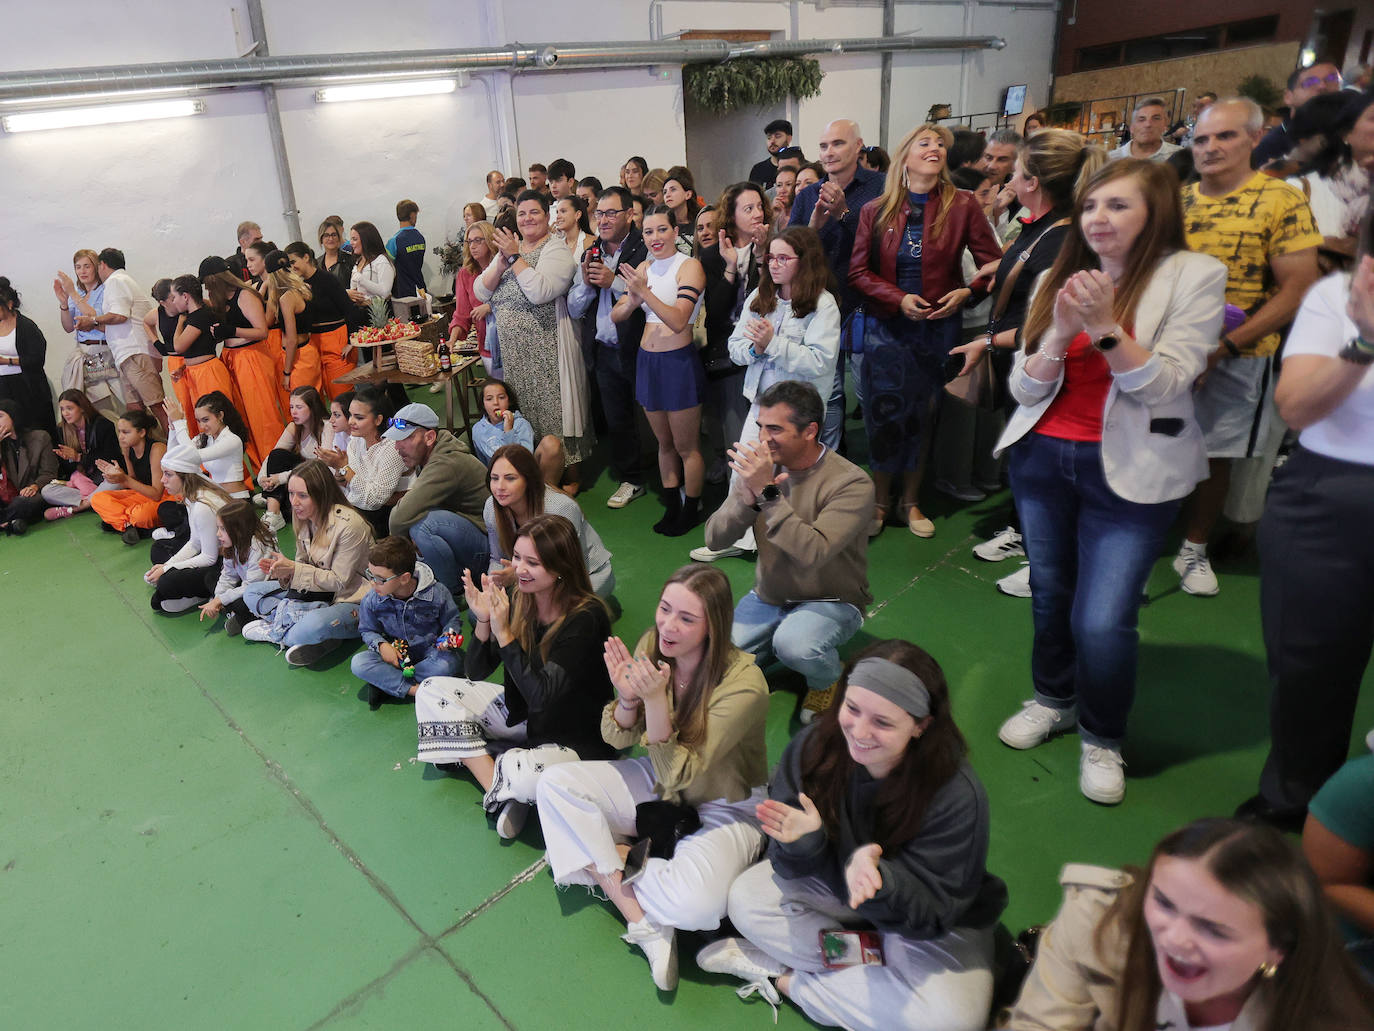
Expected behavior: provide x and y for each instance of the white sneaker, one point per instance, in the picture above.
(1195, 570)
(273, 521)
(257, 631)
(1007, 544)
(510, 821)
(659, 945)
(739, 958)
(1035, 724)
(163, 534)
(624, 494)
(1017, 585)
(260, 501)
(1102, 774)
(705, 554)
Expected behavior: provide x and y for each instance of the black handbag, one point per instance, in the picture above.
(665, 824)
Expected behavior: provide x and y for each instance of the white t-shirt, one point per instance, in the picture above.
(9, 348)
(1323, 328)
(123, 296)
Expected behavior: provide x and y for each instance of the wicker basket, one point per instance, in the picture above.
(433, 330)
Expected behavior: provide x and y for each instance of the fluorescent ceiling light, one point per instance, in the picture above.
(105, 114)
(381, 90)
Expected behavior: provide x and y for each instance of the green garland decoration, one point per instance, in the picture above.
(751, 82)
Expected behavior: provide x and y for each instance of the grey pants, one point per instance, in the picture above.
(940, 984)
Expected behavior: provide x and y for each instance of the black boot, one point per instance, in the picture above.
(672, 501)
(687, 519)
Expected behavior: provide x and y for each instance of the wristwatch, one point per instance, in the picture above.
(1357, 352)
(1107, 342)
(511, 259)
(770, 493)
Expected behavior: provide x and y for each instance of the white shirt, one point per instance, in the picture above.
(1323, 327)
(122, 296)
(377, 472)
(491, 205)
(374, 279)
(1165, 149)
(202, 547)
(9, 349)
(222, 456)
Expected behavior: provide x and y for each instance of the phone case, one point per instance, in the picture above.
(840, 949)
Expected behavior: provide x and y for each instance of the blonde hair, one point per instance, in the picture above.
(488, 233)
(894, 196)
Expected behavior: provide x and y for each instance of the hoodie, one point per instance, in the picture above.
(418, 620)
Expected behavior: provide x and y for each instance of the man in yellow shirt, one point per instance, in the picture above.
(1262, 229)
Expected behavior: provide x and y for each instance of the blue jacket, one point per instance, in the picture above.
(418, 619)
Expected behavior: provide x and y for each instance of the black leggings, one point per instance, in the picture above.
(280, 461)
(28, 509)
(175, 584)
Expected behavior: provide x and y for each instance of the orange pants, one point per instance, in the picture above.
(254, 374)
(124, 508)
(196, 381)
(332, 361)
(305, 373)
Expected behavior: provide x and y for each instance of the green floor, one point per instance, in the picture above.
(193, 835)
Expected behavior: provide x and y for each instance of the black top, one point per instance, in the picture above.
(342, 270)
(559, 700)
(166, 331)
(765, 173)
(724, 298)
(34, 396)
(204, 320)
(101, 444)
(1277, 142)
(1043, 244)
(329, 305)
(141, 467)
(236, 320)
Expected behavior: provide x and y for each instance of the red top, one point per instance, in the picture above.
(8, 491)
(1076, 411)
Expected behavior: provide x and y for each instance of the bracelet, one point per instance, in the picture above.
(620, 704)
(1050, 357)
(476, 620)
(1231, 347)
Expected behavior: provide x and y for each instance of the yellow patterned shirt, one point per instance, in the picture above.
(1263, 219)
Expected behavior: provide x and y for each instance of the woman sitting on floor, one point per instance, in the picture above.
(698, 705)
(518, 494)
(299, 442)
(550, 640)
(27, 465)
(244, 541)
(879, 824)
(87, 438)
(131, 503)
(1225, 928)
(181, 576)
(371, 468)
(310, 605)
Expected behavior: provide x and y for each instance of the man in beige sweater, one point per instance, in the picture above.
(809, 509)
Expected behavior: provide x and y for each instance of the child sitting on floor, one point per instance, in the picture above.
(502, 423)
(244, 540)
(404, 620)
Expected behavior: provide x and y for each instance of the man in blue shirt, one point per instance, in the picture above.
(407, 251)
(832, 209)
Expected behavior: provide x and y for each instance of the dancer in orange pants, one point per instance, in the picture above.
(135, 480)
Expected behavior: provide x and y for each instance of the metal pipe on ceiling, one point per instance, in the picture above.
(538, 57)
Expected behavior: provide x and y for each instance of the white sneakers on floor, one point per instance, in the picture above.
(1195, 570)
(257, 631)
(705, 554)
(1006, 544)
(1102, 774)
(659, 945)
(624, 494)
(739, 958)
(1035, 724)
(273, 521)
(1017, 585)
(510, 821)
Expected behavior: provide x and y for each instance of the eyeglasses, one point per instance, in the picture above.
(602, 215)
(1316, 80)
(781, 259)
(406, 424)
(372, 577)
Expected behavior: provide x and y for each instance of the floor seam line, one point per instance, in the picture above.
(937, 564)
(523, 877)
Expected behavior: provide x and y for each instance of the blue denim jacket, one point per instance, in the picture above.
(418, 619)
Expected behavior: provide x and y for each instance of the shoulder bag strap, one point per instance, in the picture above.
(1004, 294)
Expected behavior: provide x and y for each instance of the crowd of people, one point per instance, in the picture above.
(1103, 330)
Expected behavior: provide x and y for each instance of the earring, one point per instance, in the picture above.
(1268, 970)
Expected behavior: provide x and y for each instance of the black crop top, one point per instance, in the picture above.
(204, 320)
(166, 331)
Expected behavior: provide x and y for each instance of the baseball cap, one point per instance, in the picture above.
(410, 418)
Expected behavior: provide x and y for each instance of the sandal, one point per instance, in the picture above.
(916, 521)
(879, 520)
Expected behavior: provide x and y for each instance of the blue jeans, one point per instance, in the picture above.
(804, 636)
(333, 622)
(1090, 554)
(450, 543)
(371, 668)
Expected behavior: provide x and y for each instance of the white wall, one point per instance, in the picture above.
(169, 193)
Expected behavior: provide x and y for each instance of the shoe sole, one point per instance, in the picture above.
(1056, 732)
(1115, 799)
(613, 503)
(1188, 590)
(1000, 556)
(1012, 594)
(727, 553)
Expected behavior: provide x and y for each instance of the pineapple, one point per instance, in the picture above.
(378, 311)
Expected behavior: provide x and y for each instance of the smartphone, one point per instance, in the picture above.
(634, 862)
(840, 949)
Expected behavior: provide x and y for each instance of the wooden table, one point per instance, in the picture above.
(461, 372)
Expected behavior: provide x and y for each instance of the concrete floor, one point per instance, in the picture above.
(193, 835)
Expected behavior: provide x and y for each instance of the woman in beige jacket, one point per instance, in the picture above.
(1226, 928)
(698, 705)
(310, 605)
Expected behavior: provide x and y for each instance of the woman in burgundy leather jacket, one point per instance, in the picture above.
(906, 265)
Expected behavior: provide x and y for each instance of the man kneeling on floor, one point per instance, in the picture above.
(809, 509)
(404, 621)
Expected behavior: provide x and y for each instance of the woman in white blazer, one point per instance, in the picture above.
(1104, 447)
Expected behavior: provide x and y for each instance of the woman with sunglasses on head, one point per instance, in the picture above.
(550, 638)
(1225, 927)
(669, 381)
(878, 824)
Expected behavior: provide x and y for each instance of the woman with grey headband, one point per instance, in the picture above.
(878, 824)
